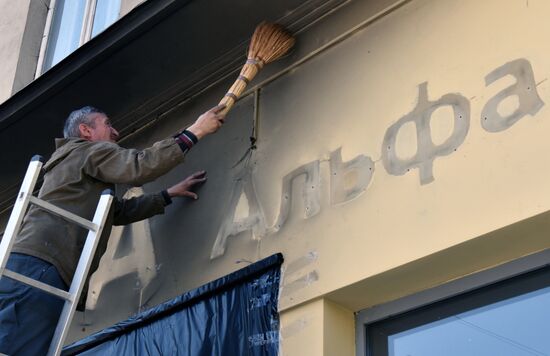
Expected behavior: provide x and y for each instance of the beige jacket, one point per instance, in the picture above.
(75, 176)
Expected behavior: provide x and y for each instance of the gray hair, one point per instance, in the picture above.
(77, 117)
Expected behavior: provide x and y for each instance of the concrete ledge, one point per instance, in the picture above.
(521, 239)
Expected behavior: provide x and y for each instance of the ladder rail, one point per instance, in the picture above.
(81, 273)
(19, 209)
(95, 227)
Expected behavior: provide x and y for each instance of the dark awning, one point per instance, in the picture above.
(233, 315)
(159, 54)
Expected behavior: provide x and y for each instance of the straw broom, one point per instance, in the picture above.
(269, 42)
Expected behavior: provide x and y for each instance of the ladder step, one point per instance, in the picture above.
(37, 284)
(87, 224)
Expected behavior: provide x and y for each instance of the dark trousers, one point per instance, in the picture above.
(28, 316)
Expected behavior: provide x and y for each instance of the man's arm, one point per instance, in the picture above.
(111, 163)
(127, 211)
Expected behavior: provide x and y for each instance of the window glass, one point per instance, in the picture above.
(65, 32)
(106, 13)
(515, 327)
(508, 318)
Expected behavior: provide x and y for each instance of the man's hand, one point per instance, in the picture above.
(183, 188)
(209, 122)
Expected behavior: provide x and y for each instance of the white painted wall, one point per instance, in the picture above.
(127, 5)
(13, 20)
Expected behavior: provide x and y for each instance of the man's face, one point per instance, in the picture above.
(101, 130)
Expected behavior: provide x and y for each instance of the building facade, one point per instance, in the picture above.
(396, 157)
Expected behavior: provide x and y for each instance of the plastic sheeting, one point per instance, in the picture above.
(234, 315)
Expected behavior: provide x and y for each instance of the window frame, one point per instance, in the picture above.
(447, 295)
(85, 31)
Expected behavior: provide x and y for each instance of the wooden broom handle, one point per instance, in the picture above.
(248, 72)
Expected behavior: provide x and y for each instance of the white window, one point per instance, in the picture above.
(70, 24)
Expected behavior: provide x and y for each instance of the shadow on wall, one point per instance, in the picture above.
(128, 265)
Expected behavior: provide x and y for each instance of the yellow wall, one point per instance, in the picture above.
(401, 236)
(349, 96)
(319, 327)
(354, 75)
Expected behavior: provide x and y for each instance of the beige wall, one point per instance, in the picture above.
(319, 327)
(365, 85)
(356, 91)
(349, 96)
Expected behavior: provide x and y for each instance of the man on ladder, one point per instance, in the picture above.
(86, 162)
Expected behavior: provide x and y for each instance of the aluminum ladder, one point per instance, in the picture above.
(95, 227)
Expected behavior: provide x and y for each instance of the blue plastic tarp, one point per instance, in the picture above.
(234, 315)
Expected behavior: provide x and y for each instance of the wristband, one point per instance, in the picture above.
(166, 196)
(191, 136)
(186, 139)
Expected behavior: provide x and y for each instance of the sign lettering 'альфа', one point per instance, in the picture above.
(362, 166)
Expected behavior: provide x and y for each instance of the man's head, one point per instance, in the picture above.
(90, 124)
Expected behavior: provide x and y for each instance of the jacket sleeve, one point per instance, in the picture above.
(127, 211)
(108, 162)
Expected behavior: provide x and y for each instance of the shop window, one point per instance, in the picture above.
(508, 318)
(75, 22)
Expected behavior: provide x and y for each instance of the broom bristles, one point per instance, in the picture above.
(270, 42)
